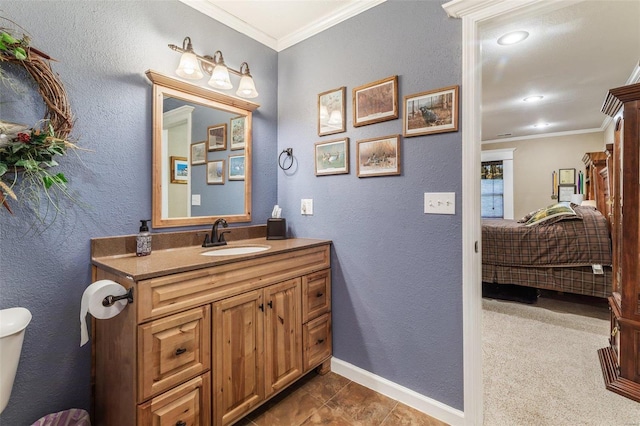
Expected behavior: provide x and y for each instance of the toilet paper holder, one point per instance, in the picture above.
(110, 300)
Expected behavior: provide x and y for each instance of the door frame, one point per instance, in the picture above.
(473, 13)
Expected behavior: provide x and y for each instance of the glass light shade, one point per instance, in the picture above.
(188, 67)
(247, 88)
(220, 78)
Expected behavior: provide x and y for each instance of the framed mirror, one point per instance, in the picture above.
(201, 154)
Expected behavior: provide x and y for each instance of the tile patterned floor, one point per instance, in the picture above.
(334, 400)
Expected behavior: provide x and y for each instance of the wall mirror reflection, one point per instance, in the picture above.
(208, 129)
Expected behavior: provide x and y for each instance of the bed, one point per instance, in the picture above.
(568, 252)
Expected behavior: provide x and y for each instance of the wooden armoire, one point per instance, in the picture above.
(620, 361)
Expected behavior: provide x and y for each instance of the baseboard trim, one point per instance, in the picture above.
(393, 390)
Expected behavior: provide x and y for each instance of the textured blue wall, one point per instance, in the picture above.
(397, 277)
(103, 49)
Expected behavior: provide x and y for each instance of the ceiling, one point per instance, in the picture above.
(573, 55)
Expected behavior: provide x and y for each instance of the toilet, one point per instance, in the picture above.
(13, 322)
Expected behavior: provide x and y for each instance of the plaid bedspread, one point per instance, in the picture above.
(565, 243)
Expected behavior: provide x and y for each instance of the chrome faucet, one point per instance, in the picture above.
(215, 239)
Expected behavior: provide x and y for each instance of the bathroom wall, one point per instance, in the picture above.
(397, 273)
(103, 49)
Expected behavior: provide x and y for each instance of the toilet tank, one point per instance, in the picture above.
(13, 322)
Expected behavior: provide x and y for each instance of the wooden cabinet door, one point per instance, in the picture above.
(238, 356)
(283, 334)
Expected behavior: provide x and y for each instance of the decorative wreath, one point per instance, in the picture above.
(28, 155)
(36, 63)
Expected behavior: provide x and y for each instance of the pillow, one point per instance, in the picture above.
(552, 214)
(527, 216)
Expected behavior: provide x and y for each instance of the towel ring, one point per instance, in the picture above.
(282, 162)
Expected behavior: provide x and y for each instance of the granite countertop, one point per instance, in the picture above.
(182, 259)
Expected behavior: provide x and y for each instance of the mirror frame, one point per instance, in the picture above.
(162, 85)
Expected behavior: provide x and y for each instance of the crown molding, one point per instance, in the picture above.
(545, 135)
(350, 10)
(231, 21)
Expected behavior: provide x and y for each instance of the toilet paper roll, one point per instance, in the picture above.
(92, 303)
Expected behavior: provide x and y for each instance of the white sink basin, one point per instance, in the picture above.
(235, 250)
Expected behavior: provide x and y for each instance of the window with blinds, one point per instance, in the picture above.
(492, 189)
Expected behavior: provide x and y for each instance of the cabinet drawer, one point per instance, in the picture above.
(172, 350)
(185, 405)
(316, 294)
(317, 341)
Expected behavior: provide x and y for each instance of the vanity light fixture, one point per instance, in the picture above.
(513, 38)
(191, 66)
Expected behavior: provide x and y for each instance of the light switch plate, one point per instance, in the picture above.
(440, 203)
(195, 199)
(306, 206)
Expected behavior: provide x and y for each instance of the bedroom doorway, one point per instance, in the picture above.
(474, 15)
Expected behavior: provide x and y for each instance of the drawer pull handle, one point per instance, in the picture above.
(180, 351)
(261, 307)
(270, 304)
(180, 423)
(320, 341)
(320, 294)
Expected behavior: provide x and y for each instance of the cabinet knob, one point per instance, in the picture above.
(181, 423)
(180, 351)
(270, 304)
(261, 307)
(320, 341)
(320, 294)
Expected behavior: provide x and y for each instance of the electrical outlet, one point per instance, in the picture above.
(440, 203)
(306, 206)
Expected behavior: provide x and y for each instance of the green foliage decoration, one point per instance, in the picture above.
(28, 156)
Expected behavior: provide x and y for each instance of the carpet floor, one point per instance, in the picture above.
(540, 366)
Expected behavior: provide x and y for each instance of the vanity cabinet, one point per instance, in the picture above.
(206, 346)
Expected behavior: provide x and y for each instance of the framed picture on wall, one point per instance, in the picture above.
(567, 176)
(198, 153)
(215, 172)
(179, 170)
(332, 157)
(238, 132)
(236, 167)
(565, 192)
(430, 112)
(378, 156)
(375, 102)
(331, 112)
(217, 137)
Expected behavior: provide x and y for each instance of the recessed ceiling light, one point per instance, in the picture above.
(533, 98)
(513, 37)
(538, 125)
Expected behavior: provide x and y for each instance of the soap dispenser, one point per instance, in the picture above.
(143, 240)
